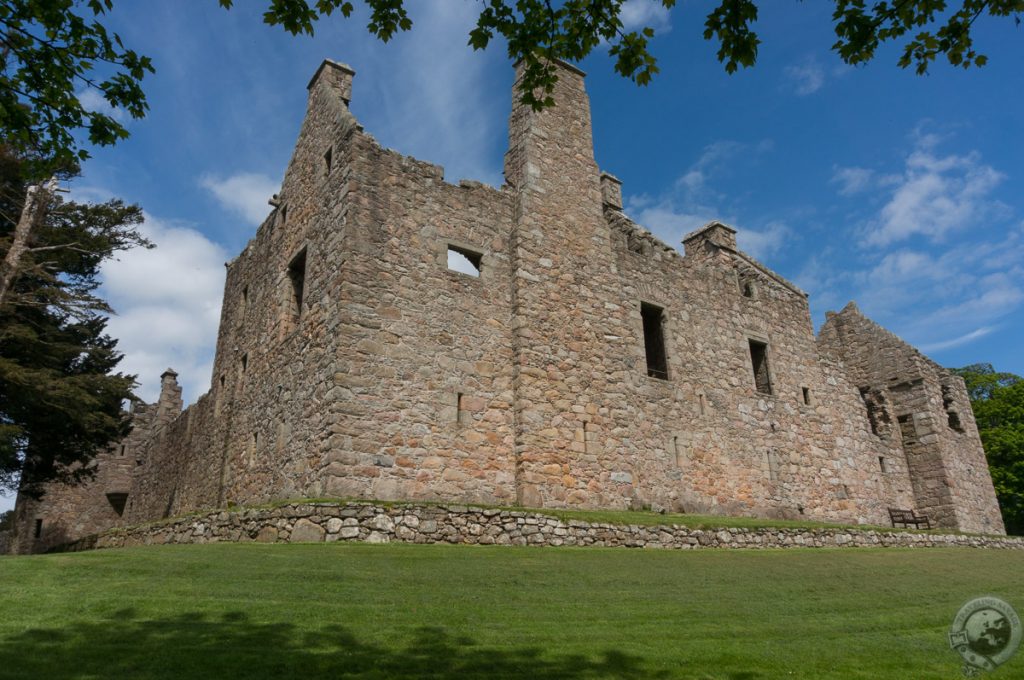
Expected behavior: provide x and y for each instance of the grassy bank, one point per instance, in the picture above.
(408, 611)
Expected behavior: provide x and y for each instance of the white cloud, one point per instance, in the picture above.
(852, 180)
(246, 193)
(806, 78)
(936, 195)
(92, 100)
(762, 243)
(637, 14)
(167, 301)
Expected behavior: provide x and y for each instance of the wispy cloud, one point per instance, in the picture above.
(93, 100)
(438, 102)
(245, 193)
(637, 14)
(852, 180)
(935, 195)
(693, 201)
(806, 77)
(958, 341)
(764, 242)
(167, 301)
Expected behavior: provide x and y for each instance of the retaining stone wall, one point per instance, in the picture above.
(371, 523)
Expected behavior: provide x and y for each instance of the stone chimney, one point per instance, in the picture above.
(611, 191)
(709, 238)
(552, 151)
(168, 406)
(336, 76)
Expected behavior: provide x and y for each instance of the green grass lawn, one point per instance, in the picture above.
(251, 611)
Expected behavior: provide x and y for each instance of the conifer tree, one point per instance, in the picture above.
(60, 395)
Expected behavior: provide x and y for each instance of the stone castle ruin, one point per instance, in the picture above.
(580, 363)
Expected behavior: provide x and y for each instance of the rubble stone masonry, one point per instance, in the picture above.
(581, 362)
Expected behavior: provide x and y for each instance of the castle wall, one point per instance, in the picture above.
(710, 441)
(66, 512)
(583, 364)
(930, 420)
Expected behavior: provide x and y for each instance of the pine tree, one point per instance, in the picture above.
(60, 397)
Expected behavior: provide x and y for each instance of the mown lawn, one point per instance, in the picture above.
(252, 611)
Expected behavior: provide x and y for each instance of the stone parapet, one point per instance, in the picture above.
(380, 523)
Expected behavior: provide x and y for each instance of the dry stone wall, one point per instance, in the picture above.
(579, 363)
(455, 524)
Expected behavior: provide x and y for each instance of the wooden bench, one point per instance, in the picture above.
(907, 518)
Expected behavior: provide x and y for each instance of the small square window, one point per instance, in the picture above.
(464, 260)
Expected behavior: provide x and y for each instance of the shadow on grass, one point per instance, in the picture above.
(232, 646)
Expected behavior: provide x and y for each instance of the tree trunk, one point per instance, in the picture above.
(36, 199)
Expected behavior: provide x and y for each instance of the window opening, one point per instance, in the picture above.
(876, 410)
(654, 340)
(881, 464)
(117, 502)
(464, 261)
(772, 459)
(328, 159)
(297, 276)
(39, 528)
(759, 361)
(952, 417)
(907, 430)
(807, 395)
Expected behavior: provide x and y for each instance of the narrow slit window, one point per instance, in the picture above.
(772, 460)
(807, 395)
(245, 298)
(654, 340)
(458, 408)
(329, 160)
(297, 277)
(122, 451)
(39, 528)
(907, 430)
(881, 464)
(464, 261)
(759, 361)
(283, 214)
(245, 363)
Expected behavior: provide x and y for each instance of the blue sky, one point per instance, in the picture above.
(901, 192)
